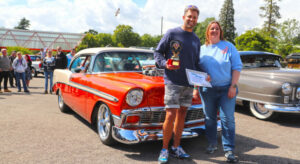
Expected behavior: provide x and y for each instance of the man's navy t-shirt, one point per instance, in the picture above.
(189, 55)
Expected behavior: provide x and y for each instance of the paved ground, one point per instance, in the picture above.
(33, 130)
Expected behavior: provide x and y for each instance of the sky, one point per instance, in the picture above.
(144, 16)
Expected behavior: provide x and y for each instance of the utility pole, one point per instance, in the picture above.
(161, 25)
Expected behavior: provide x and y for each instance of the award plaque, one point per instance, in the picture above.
(174, 61)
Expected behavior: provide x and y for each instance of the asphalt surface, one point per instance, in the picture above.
(33, 130)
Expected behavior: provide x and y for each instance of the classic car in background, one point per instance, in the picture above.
(36, 65)
(110, 89)
(267, 87)
(293, 60)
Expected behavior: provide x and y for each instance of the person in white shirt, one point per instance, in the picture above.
(20, 66)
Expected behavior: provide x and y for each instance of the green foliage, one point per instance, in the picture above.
(23, 24)
(124, 36)
(18, 49)
(288, 30)
(284, 49)
(270, 11)
(91, 31)
(252, 40)
(226, 19)
(200, 29)
(104, 40)
(149, 41)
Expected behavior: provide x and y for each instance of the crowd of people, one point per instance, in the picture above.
(18, 67)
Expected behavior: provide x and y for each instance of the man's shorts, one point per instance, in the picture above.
(176, 96)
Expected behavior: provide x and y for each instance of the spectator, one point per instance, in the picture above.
(20, 66)
(49, 65)
(61, 61)
(5, 68)
(70, 56)
(43, 53)
(11, 72)
(28, 74)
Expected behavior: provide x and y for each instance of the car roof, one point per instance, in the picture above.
(95, 51)
(293, 56)
(242, 53)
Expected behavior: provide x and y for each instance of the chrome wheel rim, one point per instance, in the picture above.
(60, 100)
(260, 108)
(104, 122)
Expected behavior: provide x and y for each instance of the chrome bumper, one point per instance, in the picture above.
(283, 108)
(136, 136)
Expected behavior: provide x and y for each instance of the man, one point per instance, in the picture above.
(5, 68)
(70, 56)
(61, 61)
(11, 73)
(182, 42)
(20, 66)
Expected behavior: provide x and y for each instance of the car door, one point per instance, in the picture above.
(77, 93)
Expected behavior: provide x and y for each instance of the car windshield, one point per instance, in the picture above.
(256, 61)
(122, 61)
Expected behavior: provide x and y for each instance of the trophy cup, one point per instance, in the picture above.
(174, 61)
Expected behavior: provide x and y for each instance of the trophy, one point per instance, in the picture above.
(174, 61)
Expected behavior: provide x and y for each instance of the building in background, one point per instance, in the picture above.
(35, 40)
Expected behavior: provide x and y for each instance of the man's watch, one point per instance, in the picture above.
(233, 86)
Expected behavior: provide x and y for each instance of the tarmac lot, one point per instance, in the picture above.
(33, 130)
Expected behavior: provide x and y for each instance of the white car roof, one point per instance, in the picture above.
(95, 51)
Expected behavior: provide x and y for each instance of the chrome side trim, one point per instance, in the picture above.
(283, 108)
(93, 91)
(264, 102)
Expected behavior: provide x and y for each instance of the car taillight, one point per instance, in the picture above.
(132, 119)
(40, 65)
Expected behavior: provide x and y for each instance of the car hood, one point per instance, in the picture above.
(281, 74)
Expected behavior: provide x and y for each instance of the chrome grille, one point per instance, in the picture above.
(159, 116)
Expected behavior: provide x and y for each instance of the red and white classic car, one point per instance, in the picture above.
(110, 89)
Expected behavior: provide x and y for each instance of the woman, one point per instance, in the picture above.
(20, 65)
(222, 62)
(28, 73)
(49, 65)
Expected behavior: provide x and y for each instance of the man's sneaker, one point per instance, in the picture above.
(7, 90)
(163, 156)
(230, 157)
(211, 149)
(179, 152)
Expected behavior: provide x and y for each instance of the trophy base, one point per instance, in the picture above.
(174, 64)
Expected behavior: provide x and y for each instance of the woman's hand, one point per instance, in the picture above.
(232, 92)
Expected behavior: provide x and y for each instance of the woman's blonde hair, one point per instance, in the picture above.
(207, 41)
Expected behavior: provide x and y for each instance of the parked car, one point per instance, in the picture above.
(36, 65)
(293, 60)
(107, 87)
(266, 87)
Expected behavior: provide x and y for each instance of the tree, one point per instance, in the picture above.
(288, 30)
(200, 29)
(23, 24)
(270, 11)
(252, 40)
(104, 40)
(149, 41)
(226, 19)
(124, 36)
(91, 31)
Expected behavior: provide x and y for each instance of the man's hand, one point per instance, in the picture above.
(208, 78)
(196, 94)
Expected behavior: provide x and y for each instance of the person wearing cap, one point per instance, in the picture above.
(183, 42)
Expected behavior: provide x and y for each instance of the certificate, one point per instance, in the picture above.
(197, 78)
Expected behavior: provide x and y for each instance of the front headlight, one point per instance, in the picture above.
(286, 88)
(134, 97)
(298, 93)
